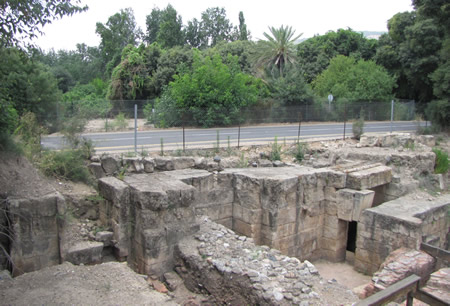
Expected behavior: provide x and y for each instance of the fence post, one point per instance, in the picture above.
(345, 117)
(299, 126)
(135, 128)
(239, 134)
(392, 114)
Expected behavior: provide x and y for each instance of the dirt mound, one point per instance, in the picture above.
(19, 178)
(110, 283)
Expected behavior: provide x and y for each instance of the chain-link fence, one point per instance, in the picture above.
(140, 116)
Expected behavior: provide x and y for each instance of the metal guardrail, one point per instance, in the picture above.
(407, 286)
(435, 251)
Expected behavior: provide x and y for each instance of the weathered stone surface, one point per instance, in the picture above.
(97, 170)
(439, 284)
(351, 203)
(36, 226)
(110, 164)
(402, 263)
(149, 164)
(235, 271)
(85, 252)
(399, 223)
(369, 178)
(133, 164)
(105, 237)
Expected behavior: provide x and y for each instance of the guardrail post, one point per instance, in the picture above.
(299, 126)
(239, 135)
(345, 117)
(392, 114)
(135, 128)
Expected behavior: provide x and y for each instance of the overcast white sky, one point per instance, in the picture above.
(309, 17)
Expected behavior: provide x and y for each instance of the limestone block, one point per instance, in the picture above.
(251, 216)
(85, 252)
(351, 203)
(335, 179)
(369, 141)
(164, 163)
(215, 212)
(369, 178)
(427, 140)
(113, 189)
(183, 162)
(279, 193)
(97, 170)
(105, 237)
(247, 191)
(110, 164)
(133, 164)
(149, 164)
(246, 229)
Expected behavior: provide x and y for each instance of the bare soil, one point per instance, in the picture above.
(110, 283)
(341, 272)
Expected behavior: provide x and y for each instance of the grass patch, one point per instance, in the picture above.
(441, 166)
(69, 165)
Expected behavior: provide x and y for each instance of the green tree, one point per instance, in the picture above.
(347, 78)
(215, 26)
(170, 32)
(314, 54)
(23, 19)
(153, 21)
(411, 50)
(292, 90)
(193, 34)
(213, 93)
(277, 51)
(119, 31)
(243, 33)
(27, 85)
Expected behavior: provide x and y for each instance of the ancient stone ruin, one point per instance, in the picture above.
(248, 229)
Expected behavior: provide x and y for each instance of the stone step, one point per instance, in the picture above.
(85, 252)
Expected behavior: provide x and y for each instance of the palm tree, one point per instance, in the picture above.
(278, 50)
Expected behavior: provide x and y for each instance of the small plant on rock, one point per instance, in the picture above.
(275, 154)
(442, 164)
(358, 127)
(300, 152)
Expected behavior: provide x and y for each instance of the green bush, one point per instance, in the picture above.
(120, 122)
(69, 165)
(300, 152)
(275, 154)
(358, 128)
(439, 113)
(441, 166)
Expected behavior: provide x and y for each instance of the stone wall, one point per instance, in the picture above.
(301, 211)
(399, 223)
(234, 271)
(37, 226)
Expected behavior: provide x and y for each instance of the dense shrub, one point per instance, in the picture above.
(441, 165)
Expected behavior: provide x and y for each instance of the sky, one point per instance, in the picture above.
(309, 17)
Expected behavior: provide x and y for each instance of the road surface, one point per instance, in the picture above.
(207, 138)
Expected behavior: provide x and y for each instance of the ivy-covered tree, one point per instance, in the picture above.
(119, 31)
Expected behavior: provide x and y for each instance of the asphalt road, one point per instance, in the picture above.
(207, 138)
